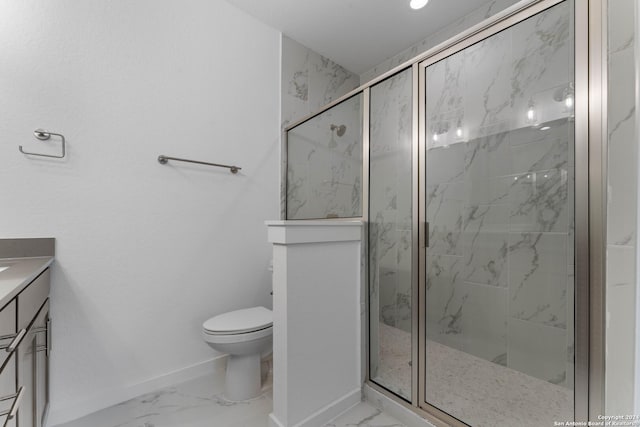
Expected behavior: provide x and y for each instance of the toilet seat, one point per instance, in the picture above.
(237, 338)
(245, 321)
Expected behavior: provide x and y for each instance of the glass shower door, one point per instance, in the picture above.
(390, 233)
(499, 203)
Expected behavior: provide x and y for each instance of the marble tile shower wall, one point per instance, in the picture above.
(324, 172)
(621, 208)
(309, 82)
(500, 198)
(390, 200)
(485, 11)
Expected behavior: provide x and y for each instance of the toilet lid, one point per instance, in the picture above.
(240, 321)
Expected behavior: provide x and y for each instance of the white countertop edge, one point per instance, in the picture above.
(37, 272)
(314, 222)
(310, 231)
(24, 281)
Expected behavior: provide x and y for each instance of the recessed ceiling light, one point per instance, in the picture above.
(545, 128)
(418, 4)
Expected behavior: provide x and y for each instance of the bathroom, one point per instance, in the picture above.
(146, 252)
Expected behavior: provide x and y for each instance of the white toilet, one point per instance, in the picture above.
(245, 335)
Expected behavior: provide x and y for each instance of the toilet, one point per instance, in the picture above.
(245, 335)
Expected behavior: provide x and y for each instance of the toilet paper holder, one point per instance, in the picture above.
(44, 135)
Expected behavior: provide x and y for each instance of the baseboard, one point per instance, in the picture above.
(332, 410)
(107, 398)
(274, 422)
(45, 417)
(394, 409)
(326, 414)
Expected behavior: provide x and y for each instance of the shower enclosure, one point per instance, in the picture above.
(470, 167)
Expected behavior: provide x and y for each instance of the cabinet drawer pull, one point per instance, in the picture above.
(46, 329)
(11, 413)
(16, 404)
(17, 339)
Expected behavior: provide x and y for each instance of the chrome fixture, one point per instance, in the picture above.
(340, 129)
(532, 116)
(162, 159)
(459, 131)
(44, 135)
(565, 95)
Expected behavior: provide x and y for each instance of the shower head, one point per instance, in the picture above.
(340, 129)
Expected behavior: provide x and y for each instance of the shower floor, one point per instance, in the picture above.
(473, 389)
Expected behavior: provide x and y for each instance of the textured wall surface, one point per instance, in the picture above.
(621, 209)
(145, 253)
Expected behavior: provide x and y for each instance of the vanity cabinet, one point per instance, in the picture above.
(25, 343)
(8, 391)
(8, 388)
(42, 346)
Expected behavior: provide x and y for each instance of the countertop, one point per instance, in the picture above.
(20, 273)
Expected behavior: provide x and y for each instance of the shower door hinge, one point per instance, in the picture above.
(426, 234)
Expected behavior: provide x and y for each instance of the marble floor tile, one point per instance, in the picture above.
(198, 403)
(195, 403)
(478, 391)
(364, 415)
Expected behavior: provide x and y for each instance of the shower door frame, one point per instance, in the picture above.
(590, 155)
(590, 214)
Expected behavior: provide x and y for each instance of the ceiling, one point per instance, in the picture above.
(357, 34)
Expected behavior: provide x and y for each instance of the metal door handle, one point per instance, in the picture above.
(426, 234)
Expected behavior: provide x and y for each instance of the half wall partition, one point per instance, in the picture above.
(469, 166)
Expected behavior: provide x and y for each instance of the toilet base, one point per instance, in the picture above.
(243, 380)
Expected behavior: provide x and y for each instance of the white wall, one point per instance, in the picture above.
(145, 253)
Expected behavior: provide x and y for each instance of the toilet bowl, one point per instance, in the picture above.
(245, 335)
